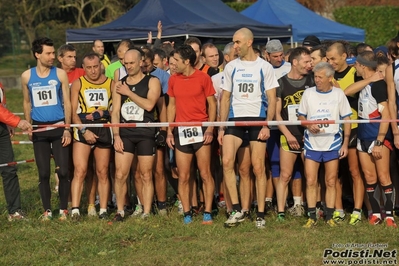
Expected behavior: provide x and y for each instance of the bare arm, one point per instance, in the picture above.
(171, 114)
(358, 86)
(115, 119)
(62, 76)
(25, 91)
(154, 91)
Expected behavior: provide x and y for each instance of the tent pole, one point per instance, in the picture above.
(292, 42)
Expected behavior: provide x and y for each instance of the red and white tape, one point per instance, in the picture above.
(17, 162)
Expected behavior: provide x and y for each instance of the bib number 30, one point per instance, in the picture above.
(190, 135)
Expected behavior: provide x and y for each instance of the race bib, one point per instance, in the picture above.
(96, 98)
(363, 111)
(326, 128)
(131, 111)
(44, 96)
(190, 135)
(293, 112)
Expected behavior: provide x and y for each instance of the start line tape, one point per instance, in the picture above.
(18, 162)
(217, 124)
(16, 142)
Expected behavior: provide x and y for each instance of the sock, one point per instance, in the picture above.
(187, 214)
(122, 213)
(297, 200)
(374, 201)
(329, 213)
(312, 213)
(318, 204)
(341, 212)
(268, 199)
(370, 212)
(75, 210)
(61, 211)
(161, 205)
(237, 207)
(389, 198)
(357, 212)
(260, 215)
(102, 211)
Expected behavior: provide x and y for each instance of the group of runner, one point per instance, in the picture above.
(198, 83)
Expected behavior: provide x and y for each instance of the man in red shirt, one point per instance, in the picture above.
(66, 55)
(196, 104)
(9, 173)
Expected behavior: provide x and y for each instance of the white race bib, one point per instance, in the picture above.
(190, 135)
(44, 96)
(96, 98)
(326, 128)
(131, 111)
(363, 108)
(293, 112)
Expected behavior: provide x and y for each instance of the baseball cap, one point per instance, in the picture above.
(351, 60)
(274, 46)
(381, 49)
(311, 40)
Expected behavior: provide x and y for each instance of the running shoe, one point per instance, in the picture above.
(138, 211)
(260, 223)
(234, 219)
(207, 219)
(355, 219)
(337, 217)
(46, 216)
(281, 217)
(103, 216)
(117, 218)
(91, 210)
(188, 219)
(310, 223)
(63, 215)
(331, 223)
(128, 210)
(75, 217)
(374, 220)
(17, 216)
(144, 216)
(391, 223)
(296, 210)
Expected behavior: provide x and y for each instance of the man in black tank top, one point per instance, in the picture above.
(289, 95)
(134, 100)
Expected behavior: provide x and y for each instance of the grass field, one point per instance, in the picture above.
(164, 240)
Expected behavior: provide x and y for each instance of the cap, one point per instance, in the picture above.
(311, 40)
(274, 46)
(351, 60)
(381, 49)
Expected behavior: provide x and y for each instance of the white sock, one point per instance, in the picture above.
(122, 213)
(297, 200)
(268, 199)
(102, 211)
(75, 211)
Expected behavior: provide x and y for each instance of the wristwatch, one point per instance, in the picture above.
(378, 142)
(83, 130)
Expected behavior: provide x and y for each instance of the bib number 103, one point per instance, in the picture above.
(190, 135)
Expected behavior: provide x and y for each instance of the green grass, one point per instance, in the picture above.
(162, 240)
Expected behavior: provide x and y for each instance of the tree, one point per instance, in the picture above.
(89, 12)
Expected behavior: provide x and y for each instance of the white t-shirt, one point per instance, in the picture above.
(283, 69)
(248, 82)
(331, 105)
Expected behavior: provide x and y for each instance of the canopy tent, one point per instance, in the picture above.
(205, 18)
(304, 21)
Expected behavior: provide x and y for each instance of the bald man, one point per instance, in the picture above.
(134, 100)
(249, 94)
(344, 76)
